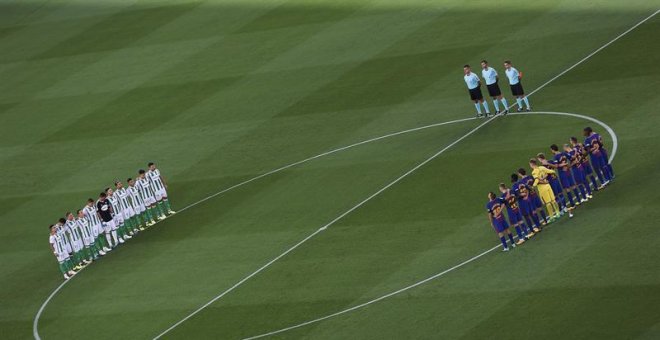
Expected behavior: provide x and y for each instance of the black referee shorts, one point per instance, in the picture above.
(517, 89)
(475, 93)
(494, 90)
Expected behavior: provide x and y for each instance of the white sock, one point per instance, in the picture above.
(109, 239)
(478, 107)
(497, 105)
(506, 105)
(526, 101)
(519, 101)
(114, 236)
(485, 104)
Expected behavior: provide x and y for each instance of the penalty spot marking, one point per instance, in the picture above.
(615, 146)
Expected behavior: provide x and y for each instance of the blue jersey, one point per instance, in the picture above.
(581, 153)
(529, 181)
(525, 199)
(572, 158)
(593, 143)
(510, 198)
(495, 208)
(562, 161)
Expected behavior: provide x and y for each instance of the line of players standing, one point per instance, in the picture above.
(555, 187)
(117, 216)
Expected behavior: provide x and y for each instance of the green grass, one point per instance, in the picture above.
(219, 92)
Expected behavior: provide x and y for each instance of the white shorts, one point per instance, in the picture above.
(119, 218)
(97, 230)
(160, 194)
(149, 201)
(61, 257)
(109, 226)
(87, 241)
(140, 208)
(68, 248)
(128, 213)
(77, 245)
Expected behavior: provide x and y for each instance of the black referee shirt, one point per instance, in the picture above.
(104, 208)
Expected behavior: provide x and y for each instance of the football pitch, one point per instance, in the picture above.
(328, 172)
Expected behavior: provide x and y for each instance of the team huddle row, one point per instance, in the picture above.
(491, 77)
(556, 186)
(116, 216)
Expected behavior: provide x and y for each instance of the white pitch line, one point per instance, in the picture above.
(323, 155)
(35, 324)
(594, 52)
(615, 144)
(486, 122)
(398, 179)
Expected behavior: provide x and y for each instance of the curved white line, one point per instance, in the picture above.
(615, 145)
(35, 324)
(316, 232)
(406, 174)
(381, 190)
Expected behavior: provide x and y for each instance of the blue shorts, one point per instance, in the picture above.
(578, 174)
(526, 206)
(596, 160)
(536, 201)
(566, 179)
(500, 224)
(515, 216)
(603, 155)
(556, 186)
(587, 169)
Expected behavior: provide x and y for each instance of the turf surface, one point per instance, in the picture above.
(219, 92)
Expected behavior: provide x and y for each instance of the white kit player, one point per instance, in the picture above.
(117, 215)
(88, 235)
(138, 204)
(160, 188)
(62, 256)
(73, 231)
(147, 193)
(126, 208)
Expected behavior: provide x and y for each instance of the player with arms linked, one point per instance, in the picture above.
(495, 210)
(515, 216)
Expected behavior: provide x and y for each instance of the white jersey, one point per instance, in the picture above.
(156, 181)
(61, 231)
(73, 231)
(90, 214)
(513, 75)
(490, 75)
(85, 228)
(58, 243)
(471, 80)
(114, 201)
(122, 194)
(144, 186)
(136, 199)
